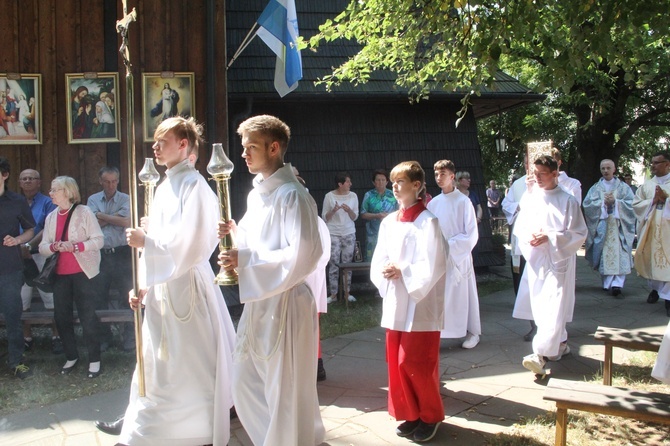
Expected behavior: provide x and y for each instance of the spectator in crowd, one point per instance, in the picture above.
(408, 267)
(340, 210)
(278, 247)
(459, 228)
(112, 209)
(463, 186)
(40, 206)
(493, 199)
(652, 209)
(628, 179)
(377, 204)
(77, 271)
(608, 208)
(15, 216)
(550, 229)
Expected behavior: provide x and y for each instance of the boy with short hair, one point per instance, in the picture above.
(458, 223)
(408, 267)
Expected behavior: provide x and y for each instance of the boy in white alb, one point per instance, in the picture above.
(458, 223)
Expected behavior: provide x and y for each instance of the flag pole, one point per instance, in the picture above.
(245, 43)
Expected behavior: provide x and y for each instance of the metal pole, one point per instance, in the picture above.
(122, 28)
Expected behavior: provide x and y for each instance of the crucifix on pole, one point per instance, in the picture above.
(122, 28)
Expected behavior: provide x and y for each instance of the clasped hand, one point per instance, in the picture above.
(391, 271)
(539, 238)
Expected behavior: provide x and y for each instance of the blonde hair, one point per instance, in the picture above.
(414, 172)
(69, 185)
(182, 128)
(270, 127)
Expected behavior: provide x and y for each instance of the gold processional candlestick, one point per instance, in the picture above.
(220, 167)
(149, 176)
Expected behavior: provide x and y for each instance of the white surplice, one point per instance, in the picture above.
(317, 279)
(547, 289)
(571, 186)
(416, 301)
(187, 333)
(652, 257)
(274, 377)
(458, 223)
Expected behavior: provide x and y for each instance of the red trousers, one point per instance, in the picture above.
(414, 385)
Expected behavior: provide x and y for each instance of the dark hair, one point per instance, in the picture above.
(4, 165)
(664, 153)
(379, 172)
(341, 177)
(444, 165)
(547, 161)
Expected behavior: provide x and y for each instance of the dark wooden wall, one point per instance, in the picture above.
(359, 136)
(55, 37)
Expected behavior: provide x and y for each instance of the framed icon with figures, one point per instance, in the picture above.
(20, 108)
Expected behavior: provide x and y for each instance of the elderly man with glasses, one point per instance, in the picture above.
(41, 206)
(652, 209)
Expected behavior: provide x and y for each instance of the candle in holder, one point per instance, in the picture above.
(220, 167)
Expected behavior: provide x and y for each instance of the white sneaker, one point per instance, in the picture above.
(535, 363)
(331, 299)
(351, 298)
(563, 350)
(471, 341)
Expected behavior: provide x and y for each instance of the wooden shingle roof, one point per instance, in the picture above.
(252, 74)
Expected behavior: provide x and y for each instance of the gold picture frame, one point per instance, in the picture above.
(92, 107)
(165, 95)
(534, 150)
(20, 108)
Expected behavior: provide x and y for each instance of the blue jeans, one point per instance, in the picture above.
(12, 307)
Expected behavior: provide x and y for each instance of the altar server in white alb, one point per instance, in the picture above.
(278, 247)
(608, 208)
(550, 229)
(652, 207)
(458, 223)
(571, 185)
(187, 333)
(408, 267)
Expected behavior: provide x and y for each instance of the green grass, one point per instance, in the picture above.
(47, 386)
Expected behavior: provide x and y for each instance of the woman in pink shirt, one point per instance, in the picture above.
(77, 270)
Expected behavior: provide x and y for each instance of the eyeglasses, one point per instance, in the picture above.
(28, 179)
(51, 191)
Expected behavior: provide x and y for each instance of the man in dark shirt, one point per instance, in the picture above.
(15, 215)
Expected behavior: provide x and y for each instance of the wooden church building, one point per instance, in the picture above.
(188, 44)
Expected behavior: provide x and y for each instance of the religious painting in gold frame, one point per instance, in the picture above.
(533, 151)
(92, 107)
(165, 95)
(20, 108)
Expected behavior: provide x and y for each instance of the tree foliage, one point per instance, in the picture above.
(605, 62)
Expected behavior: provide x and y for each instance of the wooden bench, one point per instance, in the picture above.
(47, 317)
(343, 291)
(628, 339)
(617, 401)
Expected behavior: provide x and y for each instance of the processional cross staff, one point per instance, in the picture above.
(122, 28)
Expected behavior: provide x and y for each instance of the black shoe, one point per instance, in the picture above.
(113, 428)
(407, 428)
(425, 432)
(616, 291)
(320, 371)
(28, 344)
(653, 297)
(68, 370)
(92, 375)
(56, 346)
(22, 371)
(667, 307)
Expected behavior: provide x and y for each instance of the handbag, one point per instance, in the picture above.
(30, 271)
(47, 277)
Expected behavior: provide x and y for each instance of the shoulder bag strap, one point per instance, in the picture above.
(67, 221)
